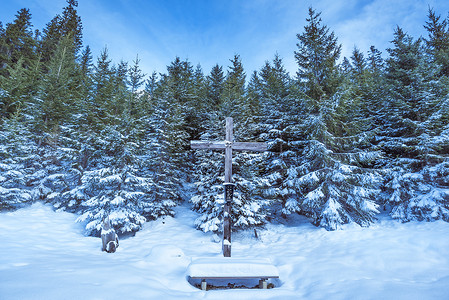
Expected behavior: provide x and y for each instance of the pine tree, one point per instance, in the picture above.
(248, 208)
(415, 135)
(51, 36)
(176, 95)
(117, 107)
(330, 177)
(14, 87)
(208, 201)
(3, 56)
(67, 25)
(200, 106)
(374, 89)
(215, 82)
(160, 158)
(375, 61)
(135, 82)
(102, 90)
(17, 42)
(85, 88)
(279, 110)
(112, 185)
(234, 103)
(407, 71)
(151, 85)
(16, 163)
(71, 24)
(85, 61)
(438, 41)
(60, 86)
(19, 70)
(317, 56)
(58, 152)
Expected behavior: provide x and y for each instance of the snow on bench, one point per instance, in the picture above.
(232, 268)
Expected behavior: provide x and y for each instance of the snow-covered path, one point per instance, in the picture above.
(44, 255)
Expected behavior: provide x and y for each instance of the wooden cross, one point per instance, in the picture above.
(228, 145)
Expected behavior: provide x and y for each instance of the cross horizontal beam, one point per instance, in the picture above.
(238, 146)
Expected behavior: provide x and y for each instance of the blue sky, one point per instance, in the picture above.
(211, 32)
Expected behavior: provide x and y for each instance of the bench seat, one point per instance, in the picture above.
(232, 268)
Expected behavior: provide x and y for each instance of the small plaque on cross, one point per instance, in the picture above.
(228, 145)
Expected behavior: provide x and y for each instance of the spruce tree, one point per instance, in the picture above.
(66, 25)
(374, 89)
(317, 55)
(17, 42)
(176, 93)
(160, 157)
(330, 178)
(119, 103)
(19, 68)
(200, 106)
(215, 82)
(17, 163)
(71, 24)
(135, 82)
(248, 208)
(50, 38)
(112, 184)
(438, 41)
(102, 90)
(3, 54)
(279, 110)
(234, 103)
(86, 84)
(415, 135)
(60, 86)
(408, 73)
(14, 87)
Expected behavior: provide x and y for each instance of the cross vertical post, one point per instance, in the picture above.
(229, 190)
(228, 145)
(228, 151)
(226, 243)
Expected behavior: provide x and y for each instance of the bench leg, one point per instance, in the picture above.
(204, 285)
(263, 284)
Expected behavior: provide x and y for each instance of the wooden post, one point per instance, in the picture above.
(226, 243)
(228, 152)
(229, 190)
(228, 145)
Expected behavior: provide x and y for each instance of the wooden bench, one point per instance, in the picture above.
(230, 268)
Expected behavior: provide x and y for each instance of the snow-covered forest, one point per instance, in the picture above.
(348, 137)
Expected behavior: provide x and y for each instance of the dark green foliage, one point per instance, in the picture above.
(60, 86)
(98, 106)
(215, 86)
(135, 82)
(14, 88)
(317, 56)
(113, 184)
(17, 41)
(234, 103)
(17, 164)
(344, 137)
(438, 41)
(71, 24)
(17, 63)
(67, 25)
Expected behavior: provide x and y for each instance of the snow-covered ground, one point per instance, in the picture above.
(44, 255)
